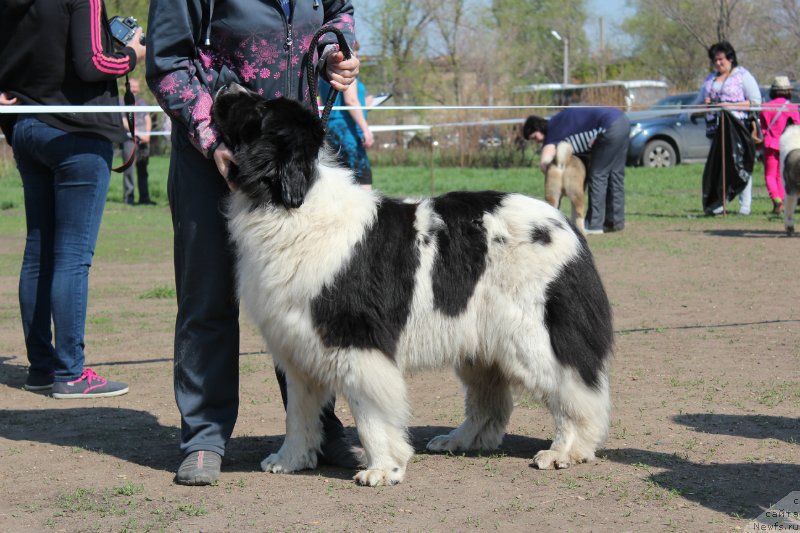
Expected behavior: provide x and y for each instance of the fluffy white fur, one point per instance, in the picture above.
(287, 256)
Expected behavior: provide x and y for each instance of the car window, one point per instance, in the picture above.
(795, 93)
(677, 100)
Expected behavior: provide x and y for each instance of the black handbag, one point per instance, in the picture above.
(755, 128)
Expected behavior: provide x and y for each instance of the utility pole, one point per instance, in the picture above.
(565, 40)
(602, 51)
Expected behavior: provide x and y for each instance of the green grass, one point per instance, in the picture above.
(160, 292)
(133, 234)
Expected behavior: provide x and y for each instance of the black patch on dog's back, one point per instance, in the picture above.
(462, 247)
(368, 304)
(578, 317)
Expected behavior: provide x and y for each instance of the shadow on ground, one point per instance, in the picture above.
(737, 489)
(778, 232)
(781, 428)
(138, 437)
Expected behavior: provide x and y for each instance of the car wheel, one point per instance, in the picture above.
(659, 153)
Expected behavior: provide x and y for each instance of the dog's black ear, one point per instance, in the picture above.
(294, 176)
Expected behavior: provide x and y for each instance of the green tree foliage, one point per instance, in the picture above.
(400, 64)
(129, 8)
(526, 46)
(671, 37)
(665, 48)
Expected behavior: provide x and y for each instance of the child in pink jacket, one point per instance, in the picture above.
(774, 118)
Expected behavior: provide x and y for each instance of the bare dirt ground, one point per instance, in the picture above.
(705, 434)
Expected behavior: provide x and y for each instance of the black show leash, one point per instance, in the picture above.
(312, 79)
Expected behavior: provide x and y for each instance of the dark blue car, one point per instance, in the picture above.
(666, 134)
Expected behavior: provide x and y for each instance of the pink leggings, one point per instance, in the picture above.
(772, 173)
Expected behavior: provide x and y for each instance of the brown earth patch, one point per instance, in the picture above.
(705, 434)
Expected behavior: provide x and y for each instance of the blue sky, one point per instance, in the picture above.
(613, 13)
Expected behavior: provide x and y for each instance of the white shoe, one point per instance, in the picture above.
(593, 232)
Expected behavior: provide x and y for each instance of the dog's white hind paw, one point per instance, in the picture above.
(549, 459)
(454, 441)
(443, 443)
(277, 463)
(374, 477)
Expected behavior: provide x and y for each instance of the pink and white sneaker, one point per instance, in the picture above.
(89, 385)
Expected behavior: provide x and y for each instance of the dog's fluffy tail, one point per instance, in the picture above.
(563, 153)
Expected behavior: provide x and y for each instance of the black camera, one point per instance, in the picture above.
(715, 100)
(122, 29)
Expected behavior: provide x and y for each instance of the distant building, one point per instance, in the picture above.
(631, 95)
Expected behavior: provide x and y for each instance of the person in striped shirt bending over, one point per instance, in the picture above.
(602, 133)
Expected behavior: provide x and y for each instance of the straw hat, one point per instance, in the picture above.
(781, 83)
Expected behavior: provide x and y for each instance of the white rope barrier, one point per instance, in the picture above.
(30, 109)
(377, 128)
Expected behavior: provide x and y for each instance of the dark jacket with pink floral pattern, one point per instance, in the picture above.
(189, 57)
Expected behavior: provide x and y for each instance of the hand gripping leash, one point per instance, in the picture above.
(312, 79)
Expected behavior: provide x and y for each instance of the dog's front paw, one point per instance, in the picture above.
(280, 463)
(549, 459)
(375, 477)
(444, 443)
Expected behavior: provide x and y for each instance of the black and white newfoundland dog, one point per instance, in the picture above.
(351, 289)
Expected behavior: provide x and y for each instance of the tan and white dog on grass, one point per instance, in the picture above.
(566, 176)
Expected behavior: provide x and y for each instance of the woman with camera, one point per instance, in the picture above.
(64, 160)
(731, 88)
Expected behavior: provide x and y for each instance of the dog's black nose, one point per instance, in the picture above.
(222, 91)
(230, 88)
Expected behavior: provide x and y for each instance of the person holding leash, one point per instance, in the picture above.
(194, 50)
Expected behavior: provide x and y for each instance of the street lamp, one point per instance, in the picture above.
(566, 55)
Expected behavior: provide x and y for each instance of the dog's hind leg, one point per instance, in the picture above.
(581, 415)
(374, 388)
(488, 404)
(553, 185)
(578, 199)
(304, 401)
(789, 205)
(791, 179)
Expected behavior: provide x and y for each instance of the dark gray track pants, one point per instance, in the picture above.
(607, 177)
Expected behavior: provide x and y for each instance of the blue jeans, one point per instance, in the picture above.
(65, 177)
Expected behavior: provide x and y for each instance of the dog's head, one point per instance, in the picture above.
(276, 144)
